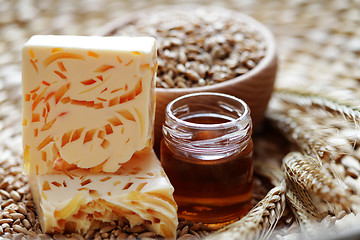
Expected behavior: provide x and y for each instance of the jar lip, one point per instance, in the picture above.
(244, 116)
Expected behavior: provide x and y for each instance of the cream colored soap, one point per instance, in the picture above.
(88, 101)
(139, 191)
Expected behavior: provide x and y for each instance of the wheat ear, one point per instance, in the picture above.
(306, 139)
(299, 200)
(260, 221)
(306, 174)
(308, 100)
(305, 212)
(295, 125)
(312, 194)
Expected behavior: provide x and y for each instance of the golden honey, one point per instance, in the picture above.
(207, 153)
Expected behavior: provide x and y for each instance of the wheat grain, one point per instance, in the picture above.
(260, 221)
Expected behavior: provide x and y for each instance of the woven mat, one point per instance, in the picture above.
(318, 46)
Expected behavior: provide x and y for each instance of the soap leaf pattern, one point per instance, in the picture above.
(49, 101)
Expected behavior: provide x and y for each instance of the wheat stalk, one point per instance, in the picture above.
(260, 221)
(308, 101)
(305, 174)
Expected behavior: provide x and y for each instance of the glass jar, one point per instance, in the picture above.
(207, 153)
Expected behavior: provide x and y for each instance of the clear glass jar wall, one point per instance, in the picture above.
(207, 153)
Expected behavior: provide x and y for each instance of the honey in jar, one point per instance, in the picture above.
(207, 153)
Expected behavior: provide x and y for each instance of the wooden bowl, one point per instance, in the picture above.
(254, 87)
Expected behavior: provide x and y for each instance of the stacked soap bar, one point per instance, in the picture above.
(139, 190)
(88, 112)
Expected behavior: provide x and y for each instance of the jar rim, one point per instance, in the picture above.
(245, 115)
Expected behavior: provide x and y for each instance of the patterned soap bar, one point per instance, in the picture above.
(138, 191)
(88, 101)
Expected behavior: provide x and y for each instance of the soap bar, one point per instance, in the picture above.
(138, 191)
(88, 101)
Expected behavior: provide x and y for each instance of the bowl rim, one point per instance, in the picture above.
(265, 32)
